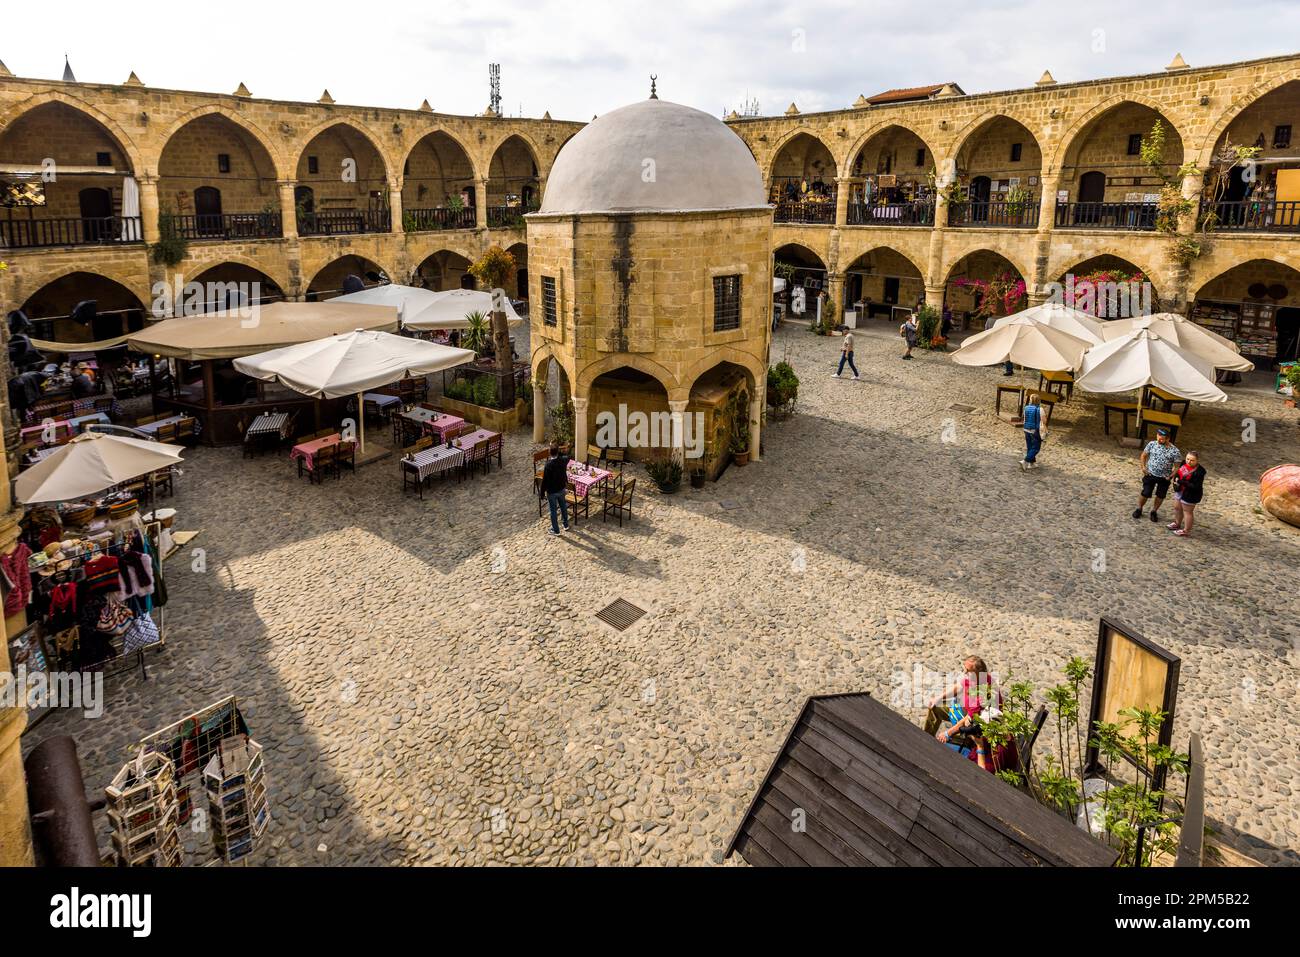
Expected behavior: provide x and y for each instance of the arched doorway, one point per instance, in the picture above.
(218, 181)
(512, 184)
(983, 285)
(1107, 287)
(1104, 170)
(883, 283)
(1256, 304)
(803, 183)
(116, 310)
(82, 204)
(520, 284)
(444, 270)
(889, 182)
(230, 285)
(328, 281)
(627, 409)
(349, 181)
(801, 274)
(718, 417)
(437, 185)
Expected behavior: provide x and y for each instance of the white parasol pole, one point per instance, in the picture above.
(361, 420)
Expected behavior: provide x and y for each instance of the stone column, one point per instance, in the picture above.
(288, 211)
(480, 201)
(15, 827)
(934, 296)
(580, 427)
(149, 207)
(841, 200)
(395, 207)
(835, 299)
(1193, 184)
(1047, 203)
(539, 412)
(677, 415)
(1035, 285)
(756, 404)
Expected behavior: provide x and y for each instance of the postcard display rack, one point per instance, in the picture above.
(1252, 325)
(236, 786)
(143, 810)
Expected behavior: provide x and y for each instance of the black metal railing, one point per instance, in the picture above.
(342, 222)
(1255, 215)
(1015, 213)
(228, 226)
(106, 230)
(508, 217)
(915, 213)
(1137, 216)
(424, 220)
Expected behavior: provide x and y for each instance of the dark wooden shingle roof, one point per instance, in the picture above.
(875, 790)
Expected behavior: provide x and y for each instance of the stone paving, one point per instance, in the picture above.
(432, 686)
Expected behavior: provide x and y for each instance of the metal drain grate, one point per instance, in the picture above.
(961, 408)
(620, 614)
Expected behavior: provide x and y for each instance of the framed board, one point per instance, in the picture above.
(1131, 672)
(28, 658)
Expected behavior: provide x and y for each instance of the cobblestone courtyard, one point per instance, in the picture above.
(432, 686)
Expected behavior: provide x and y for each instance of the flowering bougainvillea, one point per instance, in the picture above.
(997, 297)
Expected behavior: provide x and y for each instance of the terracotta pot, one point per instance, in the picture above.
(740, 458)
(1279, 493)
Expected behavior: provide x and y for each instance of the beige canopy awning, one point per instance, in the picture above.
(245, 332)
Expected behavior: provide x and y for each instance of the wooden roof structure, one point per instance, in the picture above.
(907, 94)
(876, 790)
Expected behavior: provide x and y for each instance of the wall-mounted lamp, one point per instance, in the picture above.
(397, 128)
(1205, 100)
(1055, 113)
(943, 124)
(144, 119)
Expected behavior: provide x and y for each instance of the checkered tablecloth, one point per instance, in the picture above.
(382, 400)
(269, 423)
(432, 461)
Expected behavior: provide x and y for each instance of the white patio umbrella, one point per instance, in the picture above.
(91, 462)
(1026, 342)
(1142, 358)
(352, 363)
(1063, 318)
(1189, 336)
(447, 310)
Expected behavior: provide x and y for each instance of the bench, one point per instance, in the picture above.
(1126, 409)
(1057, 383)
(1048, 402)
(1151, 395)
(1169, 420)
(1017, 391)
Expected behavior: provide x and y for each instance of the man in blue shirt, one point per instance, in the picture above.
(1159, 459)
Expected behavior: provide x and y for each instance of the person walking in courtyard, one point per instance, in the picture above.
(1158, 461)
(555, 482)
(1188, 489)
(846, 355)
(908, 331)
(1035, 431)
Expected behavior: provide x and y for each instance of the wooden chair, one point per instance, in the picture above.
(185, 429)
(494, 448)
(346, 454)
(476, 458)
(1048, 402)
(539, 463)
(615, 459)
(577, 506)
(166, 433)
(595, 455)
(163, 481)
(618, 499)
(323, 463)
(146, 419)
(1016, 390)
(250, 443)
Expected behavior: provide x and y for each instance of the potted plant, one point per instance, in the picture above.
(740, 443)
(666, 473)
(697, 478)
(1291, 375)
(476, 335)
(782, 386)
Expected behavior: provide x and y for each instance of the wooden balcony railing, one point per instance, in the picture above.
(25, 233)
(508, 217)
(343, 222)
(916, 213)
(228, 226)
(997, 213)
(424, 220)
(1266, 216)
(807, 211)
(1136, 216)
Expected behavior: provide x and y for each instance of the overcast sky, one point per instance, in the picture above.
(579, 59)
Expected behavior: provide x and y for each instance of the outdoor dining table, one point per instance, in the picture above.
(436, 424)
(307, 450)
(432, 461)
(269, 423)
(73, 425)
(585, 477)
(151, 428)
(382, 400)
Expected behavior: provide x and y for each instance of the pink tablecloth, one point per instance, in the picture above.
(307, 450)
(583, 477)
(440, 425)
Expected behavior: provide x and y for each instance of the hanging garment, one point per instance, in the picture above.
(63, 607)
(114, 619)
(136, 570)
(103, 577)
(19, 578)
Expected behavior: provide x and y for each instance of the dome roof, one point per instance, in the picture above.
(698, 164)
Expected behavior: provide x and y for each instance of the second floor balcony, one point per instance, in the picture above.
(344, 222)
(1267, 216)
(509, 216)
(1088, 215)
(228, 226)
(27, 232)
(440, 217)
(995, 214)
(914, 213)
